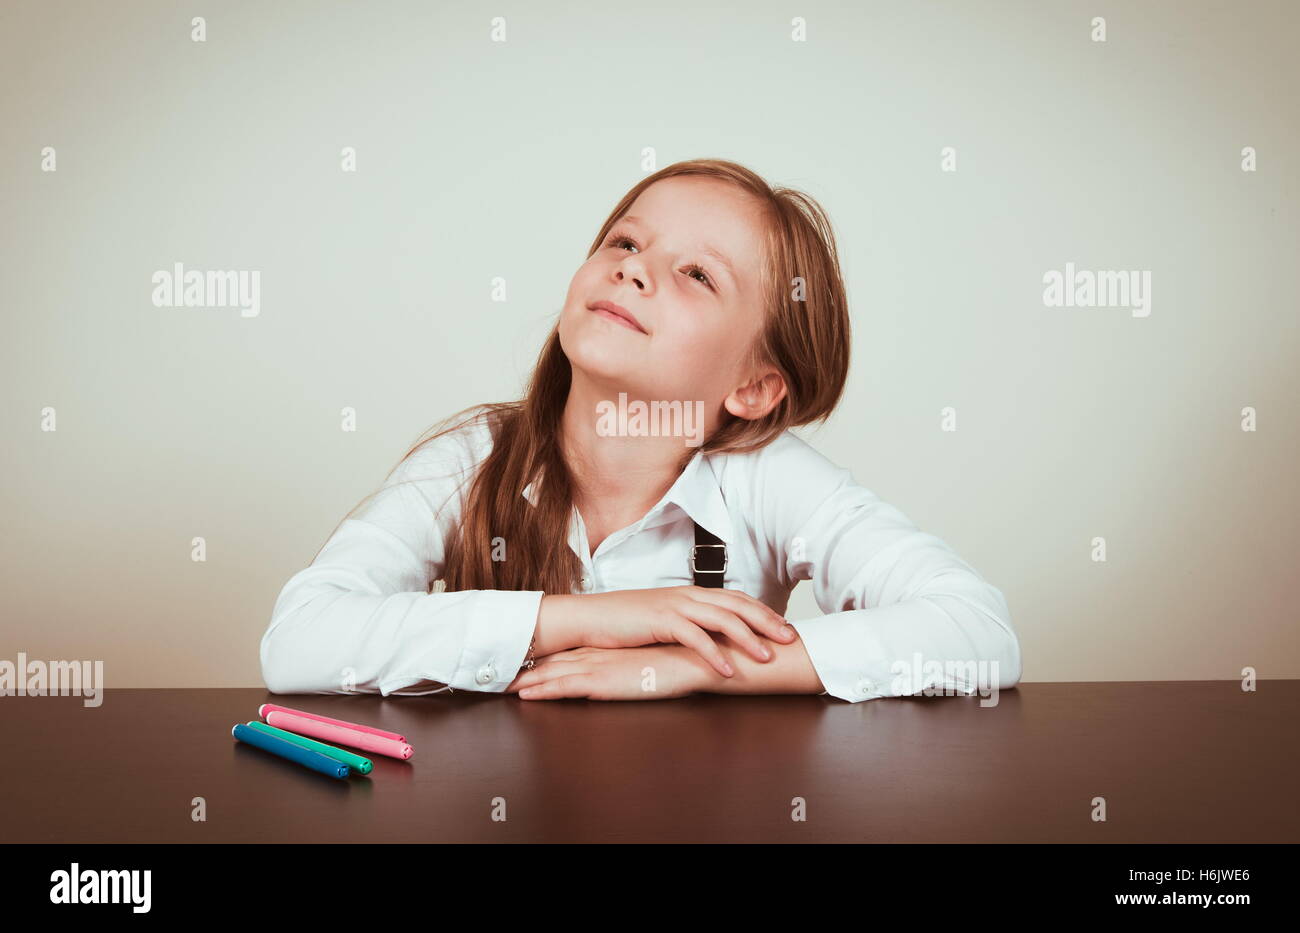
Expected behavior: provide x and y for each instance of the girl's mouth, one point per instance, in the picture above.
(613, 312)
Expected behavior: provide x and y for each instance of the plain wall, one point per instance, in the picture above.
(479, 159)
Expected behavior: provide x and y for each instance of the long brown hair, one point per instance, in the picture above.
(806, 337)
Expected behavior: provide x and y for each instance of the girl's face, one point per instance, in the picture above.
(684, 261)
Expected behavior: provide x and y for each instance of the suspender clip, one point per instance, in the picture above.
(722, 569)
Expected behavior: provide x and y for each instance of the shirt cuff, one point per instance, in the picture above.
(501, 627)
(865, 654)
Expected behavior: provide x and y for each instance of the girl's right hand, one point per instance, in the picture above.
(680, 614)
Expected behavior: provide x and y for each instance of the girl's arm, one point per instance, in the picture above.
(902, 610)
(790, 671)
(360, 619)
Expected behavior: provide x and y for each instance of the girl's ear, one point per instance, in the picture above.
(757, 397)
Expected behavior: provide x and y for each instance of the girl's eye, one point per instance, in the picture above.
(705, 280)
(617, 240)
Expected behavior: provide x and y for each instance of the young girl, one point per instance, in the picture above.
(584, 556)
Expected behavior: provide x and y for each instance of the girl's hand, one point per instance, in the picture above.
(660, 672)
(681, 614)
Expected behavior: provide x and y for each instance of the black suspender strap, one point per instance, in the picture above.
(708, 558)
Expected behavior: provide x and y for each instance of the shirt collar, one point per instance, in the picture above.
(695, 492)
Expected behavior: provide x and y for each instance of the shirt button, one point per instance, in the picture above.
(586, 582)
(485, 674)
(866, 687)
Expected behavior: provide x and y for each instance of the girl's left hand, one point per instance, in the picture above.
(654, 672)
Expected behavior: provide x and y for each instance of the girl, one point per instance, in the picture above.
(584, 557)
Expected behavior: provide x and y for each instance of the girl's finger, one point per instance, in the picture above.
(755, 612)
(572, 654)
(562, 658)
(761, 617)
(692, 636)
(541, 671)
(570, 685)
(717, 619)
(526, 679)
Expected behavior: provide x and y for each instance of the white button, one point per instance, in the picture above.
(485, 674)
(866, 687)
(586, 582)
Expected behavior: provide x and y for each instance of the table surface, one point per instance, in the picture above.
(1176, 761)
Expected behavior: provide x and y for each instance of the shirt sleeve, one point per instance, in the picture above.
(361, 619)
(902, 611)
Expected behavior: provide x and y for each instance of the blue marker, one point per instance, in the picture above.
(314, 760)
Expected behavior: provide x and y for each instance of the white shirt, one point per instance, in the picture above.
(361, 618)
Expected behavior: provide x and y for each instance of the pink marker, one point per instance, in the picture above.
(339, 735)
(356, 727)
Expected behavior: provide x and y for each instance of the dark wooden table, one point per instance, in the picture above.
(1175, 761)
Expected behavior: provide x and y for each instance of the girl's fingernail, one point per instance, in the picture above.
(526, 692)
(766, 651)
(788, 631)
(728, 668)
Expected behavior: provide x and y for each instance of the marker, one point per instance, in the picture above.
(314, 760)
(355, 727)
(355, 762)
(367, 741)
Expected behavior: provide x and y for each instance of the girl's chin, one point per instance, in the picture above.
(603, 340)
(604, 364)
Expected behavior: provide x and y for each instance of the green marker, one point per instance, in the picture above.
(355, 762)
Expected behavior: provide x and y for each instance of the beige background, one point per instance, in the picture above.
(479, 159)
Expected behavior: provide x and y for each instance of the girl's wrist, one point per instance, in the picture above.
(559, 625)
